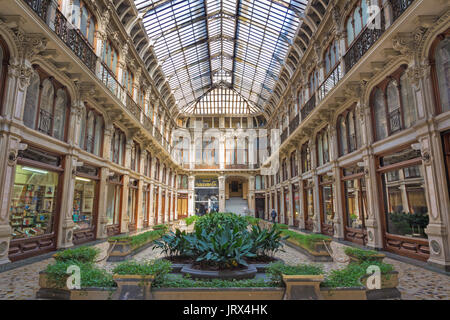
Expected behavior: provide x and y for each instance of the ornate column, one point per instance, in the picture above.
(102, 220)
(221, 193)
(315, 178)
(191, 195)
(338, 205)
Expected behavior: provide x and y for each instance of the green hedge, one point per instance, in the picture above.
(350, 276)
(361, 255)
(82, 254)
(275, 270)
(140, 239)
(91, 275)
(305, 240)
(186, 282)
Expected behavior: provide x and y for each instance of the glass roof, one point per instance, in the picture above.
(240, 44)
(221, 100)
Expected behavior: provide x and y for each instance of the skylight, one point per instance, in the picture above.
(201, 44)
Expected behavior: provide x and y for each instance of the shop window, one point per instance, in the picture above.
(355, 192)
(118, 142)
(392, 104)
(405, 206)
(91, 131)
(164, 171)
(33, 202)
(47, 105)
(440, 68)
(148, 165)
(113, 203)
(84, 202)
(326, 198)
(323, 147)
(131, 208)
(306, 157)
(309, 205)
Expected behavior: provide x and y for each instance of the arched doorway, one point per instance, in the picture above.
(236, 195)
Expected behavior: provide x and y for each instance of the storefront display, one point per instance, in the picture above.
(33, 202)
(326, 204)
(296, 204)
(83, 203)
(206, 195)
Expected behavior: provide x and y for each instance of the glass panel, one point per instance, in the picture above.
(327, 203)
(31, 101)
(83, 203)
(113, 203)
(442, 57)
(409, 108)
(46, 107)
(404, 155)
(405, 204)
(60, 114)
(83, 128)
(33, 202)
(355, 202)
(98, 135)
(350, 32)
(357, 20)
(380, 115)
(343, 145)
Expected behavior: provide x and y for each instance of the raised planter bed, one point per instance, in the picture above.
(317, 253)
(303, 287)
(124, 248)
(218, 293)
(355, 293)
(133, 287)
(388, 290)
(247, 273)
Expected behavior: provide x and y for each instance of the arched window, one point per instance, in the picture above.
(127, 81)
(118, 146)
(393, 105)
(110, 57)
(47, 105)
(156, 175)
(358, 19)
(306, 157)
(294, 165)
(440, 68)
(4, 60)
(342, 135)
(31, 101)
(148, 165)
(331, 57)
(164, 175)
(349, 136)
(84, 20)
(135, 156)
(91, 131)
(322, 147)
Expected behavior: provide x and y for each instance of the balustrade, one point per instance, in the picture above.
(335, 76)
(308, 107)
(399, 6)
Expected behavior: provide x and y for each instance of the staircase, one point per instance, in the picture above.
(236, 205)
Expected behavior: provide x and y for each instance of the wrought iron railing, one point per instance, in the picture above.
(395, 121)
(133, 107)
(335, 76)
(308, 107)
(399, 6)
(294, 124)
(109, 80)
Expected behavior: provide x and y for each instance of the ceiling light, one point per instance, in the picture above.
(34, 170)
(82, 179)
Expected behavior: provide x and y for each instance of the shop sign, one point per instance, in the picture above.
(207, 182)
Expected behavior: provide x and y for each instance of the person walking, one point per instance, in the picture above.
(274, 215)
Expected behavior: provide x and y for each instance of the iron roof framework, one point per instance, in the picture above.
(204, 45)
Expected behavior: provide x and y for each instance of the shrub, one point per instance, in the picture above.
(350, 276)
(190, 220)
(91, 276)
(266, 242)
(361, 255)
(140, 239)
(156, 268)
(305, 240)
(81, 254)
(252, 220)
(173, 244)
(275, 270)
(163, 227)
(186, 282)
(210, 222)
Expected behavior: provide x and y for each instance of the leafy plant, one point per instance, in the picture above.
(252, 220)
(350, 276)
(190, 220)
(173, 244)
(275, 270)
(222, 247)
(266, 242)
(210, 222)
(82, 254)
(90, 275)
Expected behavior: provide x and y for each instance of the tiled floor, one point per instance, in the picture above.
(415, 283)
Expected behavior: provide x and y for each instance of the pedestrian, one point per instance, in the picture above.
(274, 215)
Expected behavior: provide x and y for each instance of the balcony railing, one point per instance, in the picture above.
(399, 6)
(133, 107)
(335, 76)
(294, 124)
(308, 107)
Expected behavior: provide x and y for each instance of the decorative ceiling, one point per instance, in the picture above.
(240, 45)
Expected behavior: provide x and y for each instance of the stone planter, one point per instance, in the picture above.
(47, 290)
(388, 290)
(247, 273)
(133, 287)
(261, 266)
(376, 257)
(92, 294)
(218, 294)
(317, 253)
(123, 249)
(303, 287)
(354, 293)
